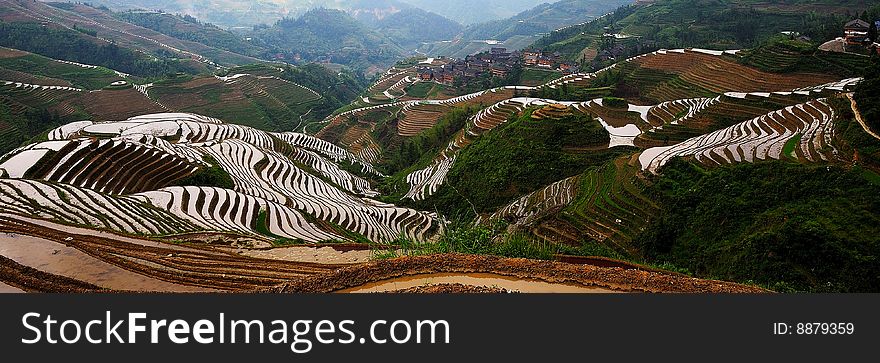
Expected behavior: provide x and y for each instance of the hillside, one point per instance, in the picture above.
(190, 28)
(695, 142)
(75, 46)
(102, 27)
(502, 156)
(38, 93)
(712, 24)
(331, 35)
(520, 30)
(471, 12)
(409, 28)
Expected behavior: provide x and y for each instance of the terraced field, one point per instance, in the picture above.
(761, 138)
(24, 67)
(263, 101)
(693, 103)
(287, 186)
(191, 177)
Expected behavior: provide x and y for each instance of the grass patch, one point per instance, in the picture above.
(788, 149)
(213, 176)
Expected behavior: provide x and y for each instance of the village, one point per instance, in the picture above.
(497, 62)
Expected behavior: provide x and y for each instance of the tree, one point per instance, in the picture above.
(872, 31)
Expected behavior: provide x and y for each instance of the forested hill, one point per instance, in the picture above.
(410, 27)
(332, 34)
(189, 28)
(522, 29)
(475, 12)
(713, 24)
(78, 46)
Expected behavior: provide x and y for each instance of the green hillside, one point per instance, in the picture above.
(520, 30)
(410, 27)
(713, 24)
(331, 35)
(787, 226)
(80, 47)
(189, 28)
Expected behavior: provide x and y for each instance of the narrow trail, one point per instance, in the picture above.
(859, 118)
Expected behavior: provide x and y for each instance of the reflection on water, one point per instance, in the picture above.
(481, 279)
(58, 259)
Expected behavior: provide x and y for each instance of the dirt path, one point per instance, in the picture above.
(476, 280)
(615, 279)
(859, 118)
(192, 266)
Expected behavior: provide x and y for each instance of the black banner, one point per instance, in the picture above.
(512, 327)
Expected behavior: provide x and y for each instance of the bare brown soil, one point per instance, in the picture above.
(16, 76)
(618, 279)
(721, 75)
(223, 269)
(185, 265)
(452, 289)
(11, 53)
(33, 280)
(118, 104)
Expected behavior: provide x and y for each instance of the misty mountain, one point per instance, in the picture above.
(523, 29)
(472, 12)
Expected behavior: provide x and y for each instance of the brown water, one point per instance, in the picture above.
(478, 279)
(6, 289)
(58, 259)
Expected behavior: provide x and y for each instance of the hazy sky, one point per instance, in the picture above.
(249, 12)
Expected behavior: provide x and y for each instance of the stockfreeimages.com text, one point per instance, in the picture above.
(301, 335)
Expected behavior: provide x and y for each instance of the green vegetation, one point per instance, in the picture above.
(428, 142)
(534, 76)
(791, 227)
(18, 127)
(788, 149)
(860, 147)
(464, 237)
(867, 95)
(426, 90)
(614, 102)
(713, 24)
(326, 33)
(410, 27)
(213, 176)
(337, 88)
(782, 54)
(78, 47)
(517, 158)
(86, 78)
(189, 28)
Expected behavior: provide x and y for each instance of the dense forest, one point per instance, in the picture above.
(189, 28)
(80, 47)
(784, 225)
(331, 35)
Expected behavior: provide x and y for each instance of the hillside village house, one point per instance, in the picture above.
(497, 62)
(856, 32)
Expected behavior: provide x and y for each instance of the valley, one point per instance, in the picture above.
(715, 162)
